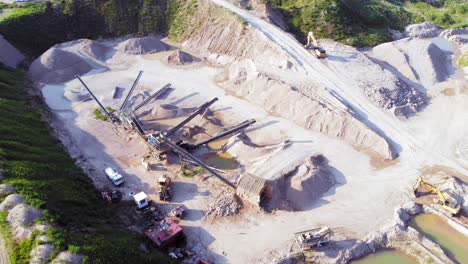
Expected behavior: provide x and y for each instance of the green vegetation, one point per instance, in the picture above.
(463, 61)
(100, 115)
(451, 14)
(190, 171)
(365, 22)
(41, 170)
(36, 27)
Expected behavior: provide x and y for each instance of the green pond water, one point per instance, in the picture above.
(385, 257)
(454, 243)
(221, 160)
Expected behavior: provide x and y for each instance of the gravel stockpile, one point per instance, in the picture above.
(225, 205)
(423, 30)
(145, 45)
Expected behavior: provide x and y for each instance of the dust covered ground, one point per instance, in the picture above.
(371, 162)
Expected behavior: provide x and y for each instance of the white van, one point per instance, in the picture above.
(116, 178)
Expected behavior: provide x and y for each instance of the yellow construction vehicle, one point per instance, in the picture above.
(445, 199)
(312, 44)
(164, 188)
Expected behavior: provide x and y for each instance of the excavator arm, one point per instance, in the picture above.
(450, 205)
(311, 39)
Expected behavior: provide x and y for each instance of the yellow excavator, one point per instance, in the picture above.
(312, 45)
(445, 199)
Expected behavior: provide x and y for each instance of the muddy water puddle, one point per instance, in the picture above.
(454, 243)
(221, 160)
(386, 257)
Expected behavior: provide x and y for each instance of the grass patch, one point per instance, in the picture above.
(100, 115)
(190, 171)
(42, 171)
(452, 14)
(463, 61)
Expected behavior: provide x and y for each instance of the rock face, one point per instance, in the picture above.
(308, 112)
(21, 218)
(57, 66)
(418, 60)
(40, 254)
(179, 57)
(380, 85)
(6, 189)
(66, 257)
(458, 35)
(423, 30)
(11, 201)
(145, 45)
(9, 55)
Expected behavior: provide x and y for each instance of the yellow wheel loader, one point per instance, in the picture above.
(445, 199)
(313, 46)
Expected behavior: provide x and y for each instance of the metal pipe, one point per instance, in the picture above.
(155, 95)
(131, 90)
(138, 127)
(185, 153)
(225, 133)
(95, 99)
(200, 110)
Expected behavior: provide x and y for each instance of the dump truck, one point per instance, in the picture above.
(444, 199)
(164, 188)
(164, 233)
(313, 238)
(313, 46)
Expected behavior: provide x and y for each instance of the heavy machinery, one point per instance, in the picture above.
(164, 188)
(312, 238)
(445, 199)
(125, 115)
(312, 45)
(164, 233)
(230, 131)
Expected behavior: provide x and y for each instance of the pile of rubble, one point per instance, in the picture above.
(227, 204)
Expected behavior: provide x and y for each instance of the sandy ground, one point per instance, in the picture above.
(3, 253)
(362, 201)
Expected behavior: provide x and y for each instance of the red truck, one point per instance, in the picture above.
(164, 233)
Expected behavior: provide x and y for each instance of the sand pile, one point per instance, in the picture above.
(458, 35)
(77, 95)
(145, 45)
(40, 254)
(6, 189)
(226, 204)
(179, 57)
(11, 201)
(423, 30)
(309, 112)
(21, 219)
(9, 55)
(380, 85)
(418, 60)
(57, 66)
(94, 49)
(164, 111)
(300, 187)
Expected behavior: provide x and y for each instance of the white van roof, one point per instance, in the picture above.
(140, 196)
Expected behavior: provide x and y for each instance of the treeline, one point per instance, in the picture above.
(35, 27)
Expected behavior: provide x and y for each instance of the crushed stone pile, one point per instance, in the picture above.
(169, 111)
(423, 30)
(380, 85)
(57, 66)
(227, 204)
(145, 45)
(458, 35)
(9, 55)
(304, 107)
(419, 60)
(11, 201)
(21, 218)
(301, 186)
(95, 49)
(80, 95)
(179, 57)
(6, 189)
